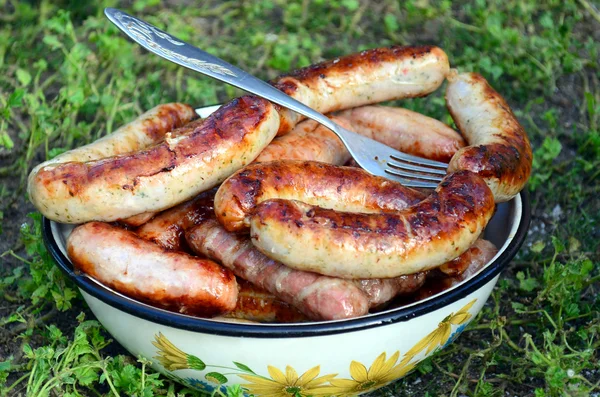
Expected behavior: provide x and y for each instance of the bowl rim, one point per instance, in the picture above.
(184, 322)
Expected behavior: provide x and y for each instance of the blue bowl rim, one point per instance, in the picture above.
(195, 324)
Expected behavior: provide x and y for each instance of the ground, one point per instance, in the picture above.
(67, 76)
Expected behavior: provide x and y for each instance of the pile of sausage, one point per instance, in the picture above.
(251, 213)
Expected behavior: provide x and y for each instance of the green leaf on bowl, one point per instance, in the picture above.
(216, 377)
(195, 363)
(243, 367)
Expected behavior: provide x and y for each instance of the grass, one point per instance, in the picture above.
(67, 76)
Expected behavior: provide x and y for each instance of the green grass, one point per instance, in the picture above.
(67, 76)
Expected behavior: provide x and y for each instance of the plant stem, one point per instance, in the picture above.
(591, 9)
(21, 379)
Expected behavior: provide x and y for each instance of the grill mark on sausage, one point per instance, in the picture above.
(346, 64)
(109, 254)
(505, 155)
(230, 122)
(335, 300)
(318, 85)
(344, 188)
(343, 241)
(167, 228)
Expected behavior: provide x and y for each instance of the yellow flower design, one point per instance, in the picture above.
(288, 384)
(172, 358)
(441, 334)
(380, 373)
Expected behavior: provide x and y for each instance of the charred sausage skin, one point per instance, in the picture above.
(370, 76)
(405, 130)
(318, 297)
(381, 245)
(309, 140)
(146, 130)
(499, 150)
(141, 270)
(197, 159)
(341, 188)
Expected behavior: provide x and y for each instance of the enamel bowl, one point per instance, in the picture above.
(346, 357)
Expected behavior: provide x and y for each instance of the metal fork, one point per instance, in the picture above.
(374, 157)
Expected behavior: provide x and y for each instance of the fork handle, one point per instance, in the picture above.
(184, 54)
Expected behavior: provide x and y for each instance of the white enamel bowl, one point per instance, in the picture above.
(363, 353)
(346, 357)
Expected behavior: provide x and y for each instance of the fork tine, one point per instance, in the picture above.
(411, 182)
(412, 167)
(412, 175)
(399, 156)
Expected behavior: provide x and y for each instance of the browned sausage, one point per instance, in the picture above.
(256, 304)
(146, 130)
(167, 228)
(499, 150)
(142, 270)
(367, 77)
(399, 128)
(162, 176)
(341, 188)
(405, 130)
(469, 263)
(309, 140)
(383, 245)
(473, 259)
(318, 297)
(382, 290)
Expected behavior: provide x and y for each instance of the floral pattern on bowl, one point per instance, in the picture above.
(278, 383)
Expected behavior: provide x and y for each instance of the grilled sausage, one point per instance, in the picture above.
(382, 245)
(167, 228)
(341, 188)
(472, 259)
(318, 297)
(148, 129)
(142, 270)
(447, 276)
(499, 150)
(137, 220)
(309, 140)
(162, 176)
(367, 77)
(399, 128)
(256, 304)
(405, 130)
(382, 290)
